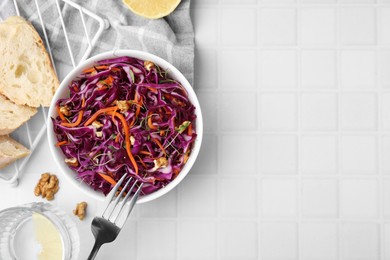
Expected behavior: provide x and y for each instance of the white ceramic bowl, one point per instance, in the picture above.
(63, 92)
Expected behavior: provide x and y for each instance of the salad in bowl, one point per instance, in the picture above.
(125, 112)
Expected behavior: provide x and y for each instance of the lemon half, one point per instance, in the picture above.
(48, 236)
(152, 9)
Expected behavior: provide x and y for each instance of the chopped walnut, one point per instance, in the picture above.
(123, 105)
(97, 124)
(47, 186)
(161, 162)
(132, 140)
(71, 161)
(148, 65)
(65, 110)
(99, 133)
(80, 210)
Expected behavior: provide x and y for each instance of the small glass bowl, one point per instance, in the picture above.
(16, 227)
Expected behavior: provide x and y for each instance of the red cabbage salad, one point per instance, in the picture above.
(125, 116)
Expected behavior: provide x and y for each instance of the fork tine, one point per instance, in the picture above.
(113, 205)
(111, 195)
(128, 203)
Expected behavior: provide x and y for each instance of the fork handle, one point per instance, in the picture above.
(95, 250)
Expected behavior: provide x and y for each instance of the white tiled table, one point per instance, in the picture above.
(296, 156)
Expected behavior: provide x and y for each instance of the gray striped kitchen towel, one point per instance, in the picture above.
(171, 37)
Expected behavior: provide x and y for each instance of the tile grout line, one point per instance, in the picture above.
(379, 121)
(298, 100)
(339, 132)
(219, 135)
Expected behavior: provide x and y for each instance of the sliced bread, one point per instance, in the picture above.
(10, 151)
(12, 116)
(27, 76)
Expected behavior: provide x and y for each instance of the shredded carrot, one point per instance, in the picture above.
(150, 123)
(108, 179)
(60, 113)
(94, 69)
(160, 145)
(117, 138)
(127, 138)
(113, 115)
(162, 132)
(145, 153)
(79, 118)
(61, 143)
(140, 160)
(154, 90)
(109, 80)
(76, 88)
(190, 130)
(98, 113)
(138, 109)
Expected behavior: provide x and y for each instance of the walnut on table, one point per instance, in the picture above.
(80, 210)
(47, 186)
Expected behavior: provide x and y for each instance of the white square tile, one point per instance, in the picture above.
(384, 67)
(206, 163)
(358, 111)
(232, 31)
(278, 69)
(357, 195)
(206, 25)
(319, 241)
(279, 241)
(358, 69)
(165, 207)
(360, 241)
(238, 240)
(230, 158)
(277, 26)
(159, 236)
(318, 69)
(198, 197)
(234, 119)
(278, 112)
(386, 198)
(319, 198)
(206, 69)
(318, 155)
(384, 21)
(279, 198)
(278, 154)
(209, 102)
(319, 112)
(358, 26)
(199, 233)
(242, 194)
(238, 76)
(385, 154)
(318, 26)
(385, 111)
(358, 154)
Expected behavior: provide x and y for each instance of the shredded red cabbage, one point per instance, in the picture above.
(125, 116)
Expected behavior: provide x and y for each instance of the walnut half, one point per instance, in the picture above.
(47, 186)
(80, 210)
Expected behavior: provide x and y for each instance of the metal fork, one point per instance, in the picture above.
(110, 220)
